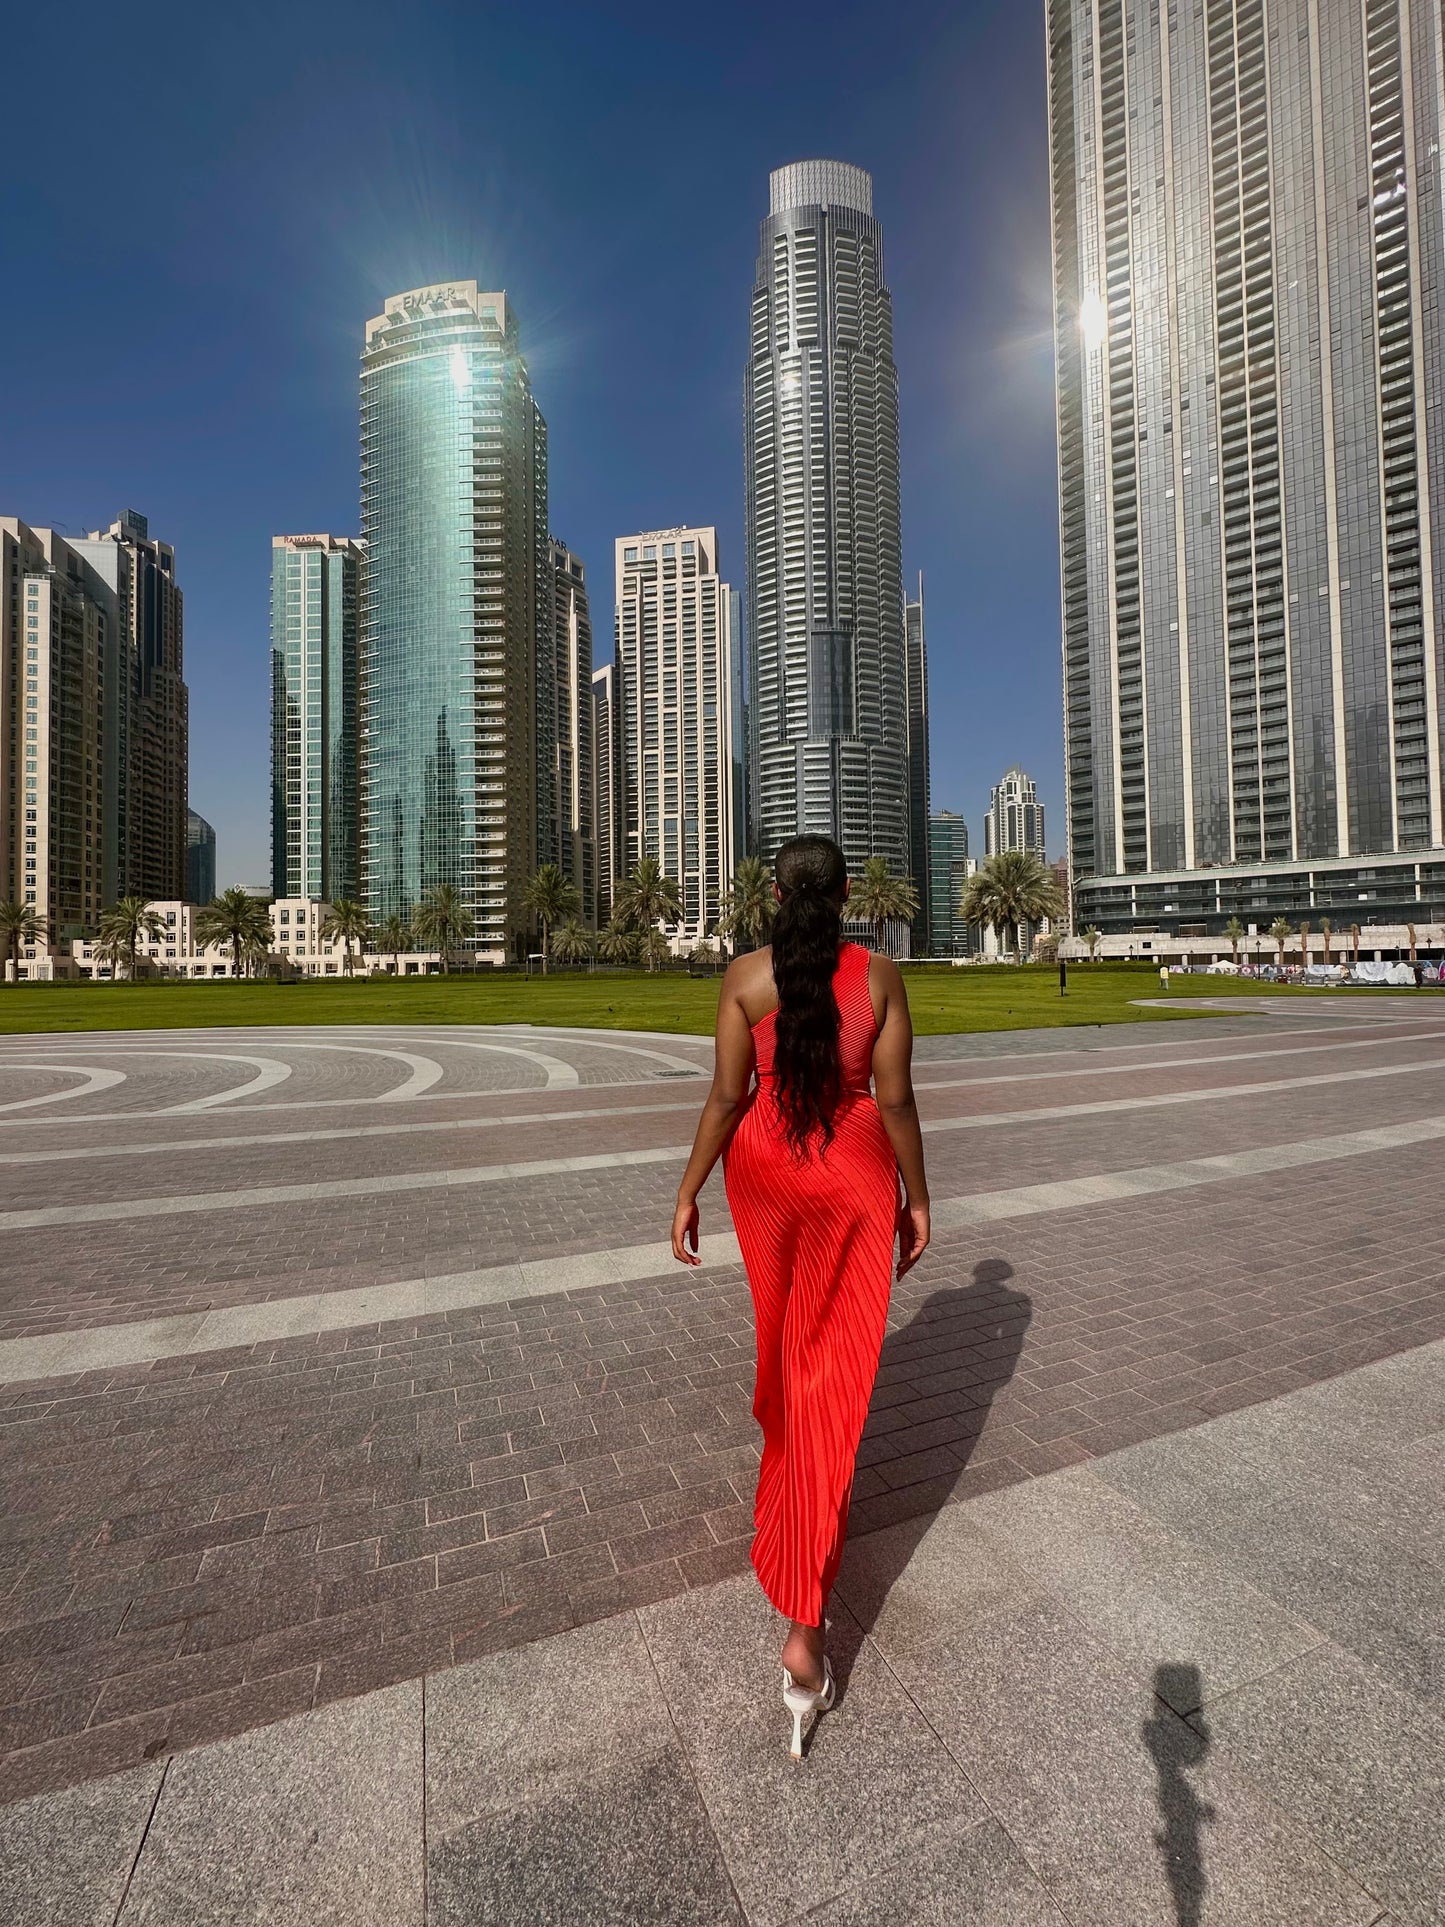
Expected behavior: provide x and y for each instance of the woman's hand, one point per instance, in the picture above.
(913, 1235)
(684, 1232)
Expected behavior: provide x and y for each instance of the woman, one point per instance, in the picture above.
(812, 1166)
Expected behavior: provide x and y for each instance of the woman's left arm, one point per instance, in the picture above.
(732, 1077)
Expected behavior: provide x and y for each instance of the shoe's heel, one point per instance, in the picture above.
(805, 1704)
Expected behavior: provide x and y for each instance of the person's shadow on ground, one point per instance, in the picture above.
(957, 1351)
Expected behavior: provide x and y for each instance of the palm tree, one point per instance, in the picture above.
(654, 948)
(1410, 933)
(1012, 889)
(392, 937)
(573, 941)
(1304, 944)
(645, 900)
(751, 905)
(881, 899)
(1091, 937)
(617, 944)
(1234, 930)
(238, 919)
(20, 924)
(1355, 941)
(1327, 930)
(1281, 932)
(347, 920)
(551, 896)
(441, 922)
(122, 927)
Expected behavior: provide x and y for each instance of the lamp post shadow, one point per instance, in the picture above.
(1180, 1746)
(957, 1351)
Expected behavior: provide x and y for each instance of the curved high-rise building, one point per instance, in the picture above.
(457, 737)
(828, 715)
(1249, 267)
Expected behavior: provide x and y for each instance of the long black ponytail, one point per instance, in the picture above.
(812, 876)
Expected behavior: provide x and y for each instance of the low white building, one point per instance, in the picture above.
(298, 948)
(1378, 943)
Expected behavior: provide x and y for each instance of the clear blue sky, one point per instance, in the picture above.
(203, 205)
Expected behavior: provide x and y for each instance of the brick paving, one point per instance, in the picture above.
(146, 1268)
(197, 1546)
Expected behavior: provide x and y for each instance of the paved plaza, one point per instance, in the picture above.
(373, 1539)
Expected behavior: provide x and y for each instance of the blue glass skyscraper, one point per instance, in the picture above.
(458, 757)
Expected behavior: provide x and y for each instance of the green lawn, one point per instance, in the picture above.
(943, 1000)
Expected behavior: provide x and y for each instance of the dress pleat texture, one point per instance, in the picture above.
(817, 1234)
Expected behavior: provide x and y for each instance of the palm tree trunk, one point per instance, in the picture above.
(545, 945)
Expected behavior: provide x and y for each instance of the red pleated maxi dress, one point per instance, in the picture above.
(817, 1234)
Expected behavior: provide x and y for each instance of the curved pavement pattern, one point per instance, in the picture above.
(330, 1359)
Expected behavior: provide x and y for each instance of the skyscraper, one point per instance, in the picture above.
(63, 696)
(154, 712)
(458, 750)
(608, 813)
(828, 711)
(200, 859)
(916, 666)
(949, 868)
(315, 707)
(1249, 272)
(678, 699)
(1015, 819)
(572, 667)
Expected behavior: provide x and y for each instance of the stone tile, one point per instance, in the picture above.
(500, 1729)
(557, 1792)
(872, 1781)
(1139, 1588)
(65, 1857)
(1093, 1776)
(1358, 1763)
(960, 1870)
(629, 1846)
(1359, 1554)
(317, 1819)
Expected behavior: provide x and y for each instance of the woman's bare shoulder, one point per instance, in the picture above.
(750, 979)
(750, 966)
(884, 974)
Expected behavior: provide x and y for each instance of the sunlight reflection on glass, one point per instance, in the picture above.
(1093, 320)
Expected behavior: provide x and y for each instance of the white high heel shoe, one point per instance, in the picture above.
(805, 1703)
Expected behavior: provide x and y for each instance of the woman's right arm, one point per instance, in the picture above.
(897, 1106)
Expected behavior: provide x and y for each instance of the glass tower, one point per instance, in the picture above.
(826, 690)
(1249, 263)
(315, 597)
(200, 859)
(458, 749)
(949, 868)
